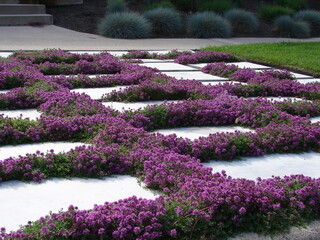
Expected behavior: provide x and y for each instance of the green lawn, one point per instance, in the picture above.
(302, 56)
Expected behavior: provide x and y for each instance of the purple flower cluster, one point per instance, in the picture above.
(196, 202)
(85, 161)
(206, 57)
(53, 56)
(136, 54)
(162, 87)
(138, 75)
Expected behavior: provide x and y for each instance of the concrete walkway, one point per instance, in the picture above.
(37, 38)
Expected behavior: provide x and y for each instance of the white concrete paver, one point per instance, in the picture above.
(196, 132)
(270, 165)
(312, 80)
(97, 93)
(156, 60)
(86, 52)
(249, 65)
(198, 65)
(32, 114)
(4, 91)
(5, 54)
(22, 149)
(118, 53)
(123, 106)
(22, 202)
(295, 75)
(301, 76)
(315, 119)
(194, 75)
(280, 99)
(168, 67)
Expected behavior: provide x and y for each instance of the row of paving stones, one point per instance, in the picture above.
(38, 205)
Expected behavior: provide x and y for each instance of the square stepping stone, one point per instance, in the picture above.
(249, 65)
(166, 51)
(280, 99)
(198, 65)
(239, 64)
(97, 93)
(4, 91)
(300, 76)
(123, 106)
(89, 76)
(156, 60)
(86, 52)
(211, 83)
(160, 51)
(5, 54)
(221, 82)
(305, 81)
(196, 132)
(32, 114)
(22, 202)
(117, 53)
(295, 75)
(22, 149)
(168, 67)
(267, 166)
(315, 119)
(194, 75)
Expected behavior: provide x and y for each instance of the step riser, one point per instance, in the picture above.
(9, 1)
(22, 9)
(25, 20)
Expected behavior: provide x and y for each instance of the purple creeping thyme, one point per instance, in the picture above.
(206, 57)
(196, 203)
(137, 54)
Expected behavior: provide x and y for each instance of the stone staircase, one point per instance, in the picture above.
(12, 13)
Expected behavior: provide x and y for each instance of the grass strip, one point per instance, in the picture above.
(299, 56)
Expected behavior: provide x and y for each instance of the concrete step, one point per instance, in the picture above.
(26, 19)
(9, 1)
(22, 9)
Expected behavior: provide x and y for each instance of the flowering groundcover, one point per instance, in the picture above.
(196, 203)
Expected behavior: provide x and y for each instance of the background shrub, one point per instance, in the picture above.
(218, 6)
(311, 17)
(287, 27)
(269, 13)
(117, 6)
(186, 5)
(164, 20)
(208, 25)
(293, 4)
(163, 4)
(242, 21)
(124, 25)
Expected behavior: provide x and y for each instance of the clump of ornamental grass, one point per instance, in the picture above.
(115, 6)
(285, 26)
(164, 20)
(208, 25)
(242, 21)
(311, 17)
(124, 25)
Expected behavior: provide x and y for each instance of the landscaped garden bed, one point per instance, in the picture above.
(192, 18)
(196, 202)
